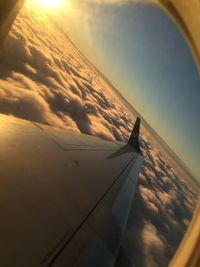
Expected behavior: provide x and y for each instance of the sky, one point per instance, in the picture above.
(141, 51)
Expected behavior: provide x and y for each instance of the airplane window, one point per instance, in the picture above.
(91, 67)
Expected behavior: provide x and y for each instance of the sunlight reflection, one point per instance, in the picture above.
(50, 3)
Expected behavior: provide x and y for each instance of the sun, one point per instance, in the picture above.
(49, 4)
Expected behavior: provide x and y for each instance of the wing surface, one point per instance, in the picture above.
(64, 197)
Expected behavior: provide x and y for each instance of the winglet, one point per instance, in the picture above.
(134, 138)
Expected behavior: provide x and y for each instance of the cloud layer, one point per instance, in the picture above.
(44, 78)
(161, 211)
(40, 63)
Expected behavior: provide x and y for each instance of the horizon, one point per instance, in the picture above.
(104, 47)
(129, 105)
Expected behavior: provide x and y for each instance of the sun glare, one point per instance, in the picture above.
(50, 3)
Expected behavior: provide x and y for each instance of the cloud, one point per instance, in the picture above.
(25, 104)
(153, 246)
(44, 78)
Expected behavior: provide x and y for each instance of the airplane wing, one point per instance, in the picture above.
(64, 197)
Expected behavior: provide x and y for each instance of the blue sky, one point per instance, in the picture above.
(145, 56)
